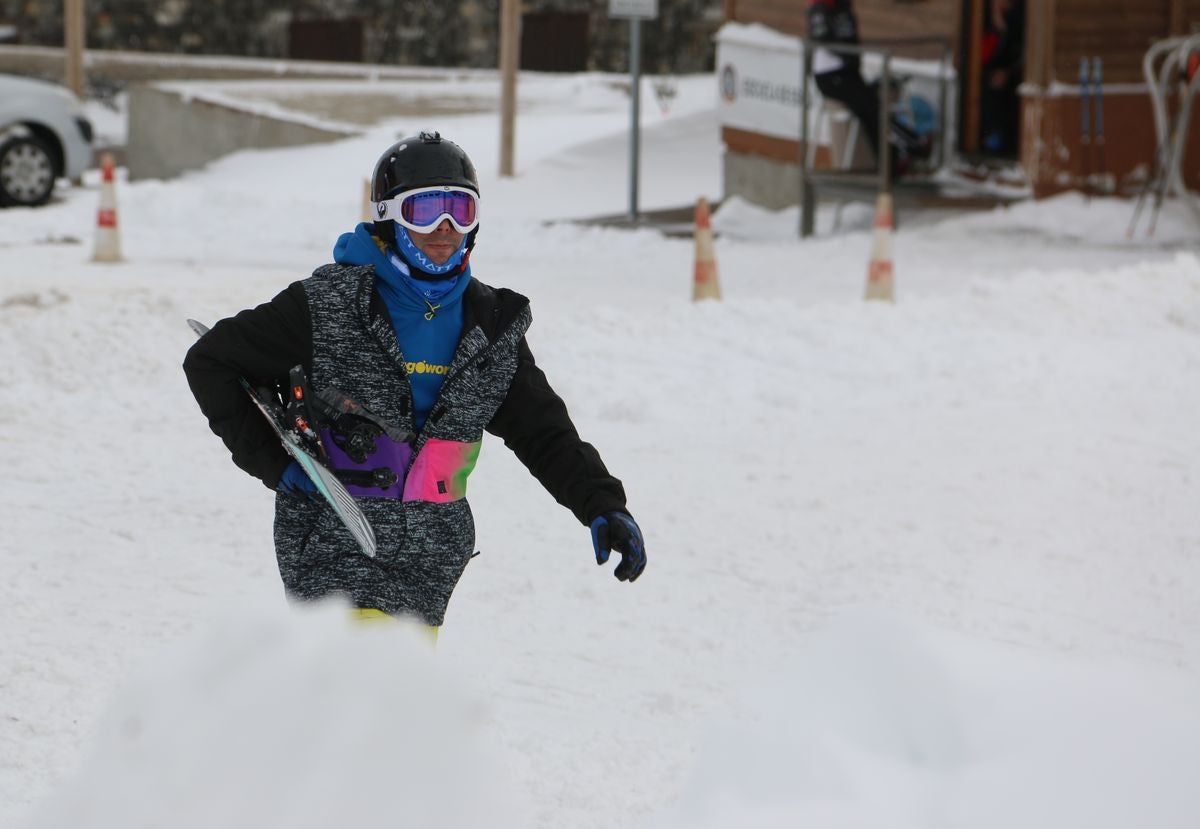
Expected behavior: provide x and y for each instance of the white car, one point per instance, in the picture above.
(44, 136)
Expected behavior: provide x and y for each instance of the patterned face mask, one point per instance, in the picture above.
(413, 255)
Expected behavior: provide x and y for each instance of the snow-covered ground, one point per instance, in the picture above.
(931, 564)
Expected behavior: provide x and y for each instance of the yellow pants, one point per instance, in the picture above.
(369, 615)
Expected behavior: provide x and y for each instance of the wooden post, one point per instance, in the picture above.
(1041, 113)
(1178, 19)
(510, 56)
(74, 42)
(1039, 36)
(1035, 51)
(1049, 27)
(973, 98)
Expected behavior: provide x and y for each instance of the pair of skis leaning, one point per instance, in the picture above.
(357, 428)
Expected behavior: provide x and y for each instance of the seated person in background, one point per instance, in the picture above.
(839, 78)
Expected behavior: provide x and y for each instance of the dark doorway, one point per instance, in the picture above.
(554, 41)
(336, 40)
(992, 66)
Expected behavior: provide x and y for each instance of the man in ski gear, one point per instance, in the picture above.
(399, 326)
(839, 77)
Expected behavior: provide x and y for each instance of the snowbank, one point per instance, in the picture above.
(877, 722)
(291, 719)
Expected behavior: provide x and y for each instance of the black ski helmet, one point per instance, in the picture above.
(424, 160)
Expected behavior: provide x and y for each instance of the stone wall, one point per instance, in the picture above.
(461, 33)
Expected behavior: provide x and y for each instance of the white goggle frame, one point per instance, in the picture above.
(390, 209)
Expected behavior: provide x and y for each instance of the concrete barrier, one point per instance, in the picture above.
(118, 69)
(171, 132)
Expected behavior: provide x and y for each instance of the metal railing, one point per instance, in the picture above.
(1169, 77)
(884, 173)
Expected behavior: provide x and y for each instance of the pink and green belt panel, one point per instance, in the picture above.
(440, 472)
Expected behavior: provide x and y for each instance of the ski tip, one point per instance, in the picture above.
(365, 536)
(200, 328)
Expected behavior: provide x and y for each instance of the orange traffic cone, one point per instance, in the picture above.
(704, 282)
(108, 237)
(880, 276)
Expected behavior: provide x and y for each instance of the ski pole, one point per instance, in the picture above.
(1170, 68)
(1156, 84)
(1085, 138)
(1151, 178)
(1098, 103)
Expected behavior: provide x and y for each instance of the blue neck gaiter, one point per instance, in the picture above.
(412, 254)
(427, 315)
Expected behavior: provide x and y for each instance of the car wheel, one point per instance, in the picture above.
(27, 171)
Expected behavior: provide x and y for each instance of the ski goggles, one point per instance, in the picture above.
(424, 208)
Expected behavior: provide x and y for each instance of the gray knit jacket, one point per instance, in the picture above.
(334, 323)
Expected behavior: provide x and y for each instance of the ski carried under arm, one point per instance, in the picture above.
(293, 436)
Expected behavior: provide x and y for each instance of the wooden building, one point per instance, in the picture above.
(1059, 34)
(1051, 147)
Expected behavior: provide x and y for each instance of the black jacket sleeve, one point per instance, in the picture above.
(262, 345)
(534, 423)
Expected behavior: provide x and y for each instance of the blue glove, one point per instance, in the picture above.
(295, 482)
(618, 531)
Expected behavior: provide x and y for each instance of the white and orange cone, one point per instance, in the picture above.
(108, 236)
(704, 282)
(880, 273)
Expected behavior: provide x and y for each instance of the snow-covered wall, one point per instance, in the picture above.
(172, 131)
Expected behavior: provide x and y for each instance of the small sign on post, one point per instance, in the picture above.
(639, 9)
(636, 11)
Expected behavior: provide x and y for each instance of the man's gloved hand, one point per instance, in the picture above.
(295, 482)
(618, 531)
